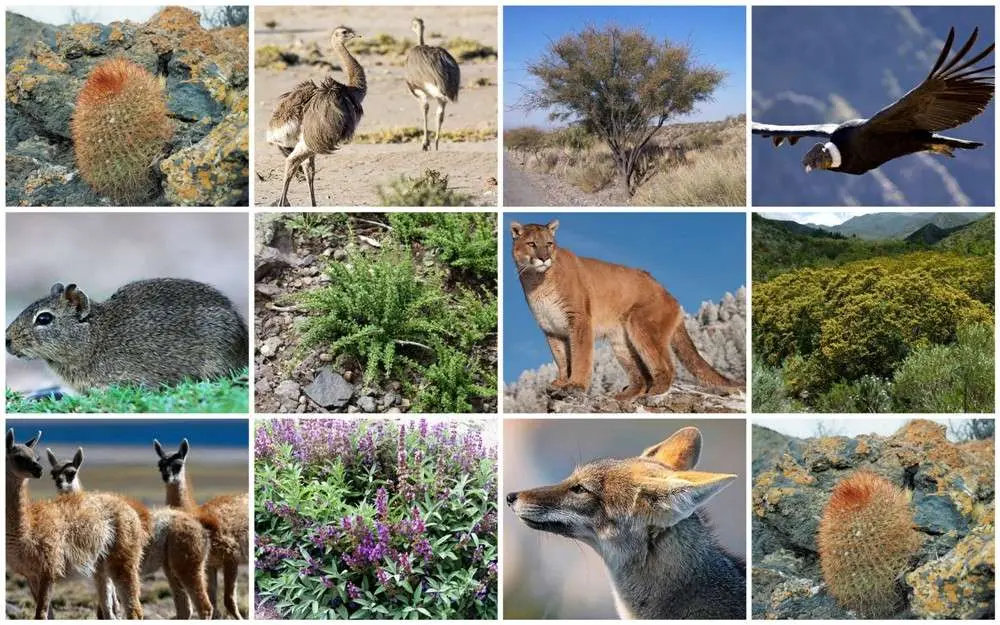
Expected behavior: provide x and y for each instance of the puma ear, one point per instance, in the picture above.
(78, 300)
(516, 230)
(52, 458)
(680, 452)
(78, 457)
(679, 494)
(553, 226)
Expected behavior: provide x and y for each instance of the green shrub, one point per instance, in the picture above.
(463, 241)
(314, 225)
(451, 384)
(949, 378)
(430, 189)
(769, 390)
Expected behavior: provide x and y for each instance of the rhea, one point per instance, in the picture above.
(311, 119)
(431, 74)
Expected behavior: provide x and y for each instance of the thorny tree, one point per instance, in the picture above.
(621, 85)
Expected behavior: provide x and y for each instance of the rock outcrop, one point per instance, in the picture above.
(952, 498)
(206, 75)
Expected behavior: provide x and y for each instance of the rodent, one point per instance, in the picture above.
(149, 332)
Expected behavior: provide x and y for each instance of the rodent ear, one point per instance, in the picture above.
(52, 458)
(78, 300)
(553, 226)
(57, 289)
(516, 230)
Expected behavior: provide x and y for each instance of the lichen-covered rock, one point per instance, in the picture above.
(206, 75)
(961, 583)
(952, 500)
(718, 331)
(211, 172)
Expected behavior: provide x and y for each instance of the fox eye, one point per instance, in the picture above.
(578, 489)
(44, 319)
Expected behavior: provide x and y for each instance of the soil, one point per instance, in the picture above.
(531, 188)
(288, 264)
(352, 175)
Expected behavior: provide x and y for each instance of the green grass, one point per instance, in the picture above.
(228, 395)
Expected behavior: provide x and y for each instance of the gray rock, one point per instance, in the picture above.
(271, 261)
(937, 514)
(391, 398)
(288, 389)
(367, 404)
(330, 389)
(270, 346)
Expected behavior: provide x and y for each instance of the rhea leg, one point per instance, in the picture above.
(295, 158)
(440, 120)
(310, 168)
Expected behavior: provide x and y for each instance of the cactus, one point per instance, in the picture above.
(120, 127)
(866, 539)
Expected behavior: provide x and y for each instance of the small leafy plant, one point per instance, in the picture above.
(375, 520)
(430, 189)
(465, 241)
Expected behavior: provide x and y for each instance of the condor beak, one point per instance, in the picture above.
(808, 168)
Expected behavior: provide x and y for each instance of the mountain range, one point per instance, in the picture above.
(899, 225)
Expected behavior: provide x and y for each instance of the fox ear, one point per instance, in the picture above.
(681, 493)
(679, 452)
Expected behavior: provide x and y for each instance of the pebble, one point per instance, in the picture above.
(270, 347)
(367, 404)
(289, 389)
(330, 389)
(324, 357)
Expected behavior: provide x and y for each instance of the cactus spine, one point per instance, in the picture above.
(866, 539)
(120, 126)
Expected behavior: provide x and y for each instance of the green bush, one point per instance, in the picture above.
(430, 189)
(463, 241)
(865, 318)
(450, 385)
(949, 378)
(769, 393)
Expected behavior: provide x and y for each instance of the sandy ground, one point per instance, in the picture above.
(351, 176)
(223, 472)
(531, 188)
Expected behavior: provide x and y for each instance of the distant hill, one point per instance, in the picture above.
(931, 234)
(899, 225)
(976, 238)
(830, 64)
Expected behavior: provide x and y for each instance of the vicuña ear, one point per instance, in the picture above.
(516, 230)
(52, 458)
(78, 457)
(158, 448)
(680, 452)
(679, 494)
(10, 439)
(185, 448)
(553, 226)
(33, 441)
(78, 300)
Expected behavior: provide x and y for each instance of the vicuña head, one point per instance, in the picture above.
(534, 246)
(22, 458)
(65, 473)
(172, 465)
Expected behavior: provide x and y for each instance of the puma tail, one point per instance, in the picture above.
(688, 354)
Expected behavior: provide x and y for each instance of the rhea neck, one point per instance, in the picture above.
(418, 27)
(355, 73)
(179, 492)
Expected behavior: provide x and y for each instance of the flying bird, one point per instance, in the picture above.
(953, 93)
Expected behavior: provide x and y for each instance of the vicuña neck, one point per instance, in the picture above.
(17, 506)
(179, 493)
(355, 73)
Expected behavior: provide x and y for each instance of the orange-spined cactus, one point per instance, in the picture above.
(120, 127)
(866, 539)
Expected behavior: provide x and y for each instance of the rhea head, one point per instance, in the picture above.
(417, 25)
(822, 156)
(344, 34)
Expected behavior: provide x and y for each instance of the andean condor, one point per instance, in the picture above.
(951, 95)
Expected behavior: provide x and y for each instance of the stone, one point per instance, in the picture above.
(329, 389)
(960, 584)
(270, 346)
(367, 404)
(288, 389)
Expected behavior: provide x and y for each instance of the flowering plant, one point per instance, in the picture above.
(375, 519)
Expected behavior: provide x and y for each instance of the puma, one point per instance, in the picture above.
(576, 300)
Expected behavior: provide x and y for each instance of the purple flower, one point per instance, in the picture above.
(382, 503)
(353, 591)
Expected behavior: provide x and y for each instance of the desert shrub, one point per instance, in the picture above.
(865, 318)
(464, 241)
(548, 161)
(592, 176)
(375, 520)
(949, 378)
(769, 393)
(716, 178)
(524, 139)
(470, 50)
(430, 189)
(382, 44)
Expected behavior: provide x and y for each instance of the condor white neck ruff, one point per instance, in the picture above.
(834, 151)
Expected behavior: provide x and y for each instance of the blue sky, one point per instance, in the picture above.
(67, 434)
(696, 256)
(717, 34)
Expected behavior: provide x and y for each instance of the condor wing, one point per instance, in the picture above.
(779, 134)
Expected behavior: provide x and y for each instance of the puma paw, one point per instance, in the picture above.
(559, 383)
(628, 394)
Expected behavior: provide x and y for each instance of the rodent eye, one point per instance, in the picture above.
(44, 319)
(578, 489)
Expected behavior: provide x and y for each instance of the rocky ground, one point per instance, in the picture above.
(207, 78)
(287, 378)
(717, 329)
(952, 485)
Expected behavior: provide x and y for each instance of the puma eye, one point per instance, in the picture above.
(549, 244)
(531, 244)
(44, 319)
(578, 489)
